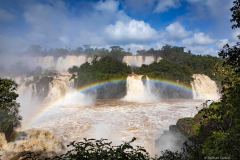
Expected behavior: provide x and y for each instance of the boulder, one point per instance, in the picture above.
(185, 126)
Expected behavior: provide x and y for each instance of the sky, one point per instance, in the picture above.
(202, 26)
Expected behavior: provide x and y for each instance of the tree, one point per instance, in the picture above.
(9, 113)
(236, 14)
(231, 55)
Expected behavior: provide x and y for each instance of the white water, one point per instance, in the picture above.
(204, 88)
(75, 115)
(61, 92)
(117, 121)
(60, 85)
(62, 64)
(27, 98)
(137, 91)
(30, 100)
(138, 61)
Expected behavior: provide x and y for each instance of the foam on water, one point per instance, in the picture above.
(116, 120)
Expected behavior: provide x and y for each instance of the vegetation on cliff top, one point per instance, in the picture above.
(176, 65)
(103, 69)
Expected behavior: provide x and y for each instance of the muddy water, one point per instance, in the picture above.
(116, 120)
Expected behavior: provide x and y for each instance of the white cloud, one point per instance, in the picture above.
(235, 34)
(165, 5)
(55, 26)
(222, 42)
(108, 5)
(103, 24)
(132, 30)
(176, 30)
(199, 38)
(6, 16)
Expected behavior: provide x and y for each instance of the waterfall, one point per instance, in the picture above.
(46, 62)
(58, 87)
(27, 97)
(138, 61)
(204, 88)
(62, 63)
(137, 91)
(46, 90)
(36, 92)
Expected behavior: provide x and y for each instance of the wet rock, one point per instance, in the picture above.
(185, 126)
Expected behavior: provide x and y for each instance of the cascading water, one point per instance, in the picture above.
(59, 86)
(107, 118)
(60, 91)
(137, 91)
(64, 63)
(28, 98)
(138, 61)
(204, 88)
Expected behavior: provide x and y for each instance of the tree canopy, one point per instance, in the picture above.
(9, 108)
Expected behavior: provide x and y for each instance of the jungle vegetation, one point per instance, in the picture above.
(9, 108)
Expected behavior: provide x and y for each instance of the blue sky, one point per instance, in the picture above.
(201, 26)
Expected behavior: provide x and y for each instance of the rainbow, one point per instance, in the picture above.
(47, 107)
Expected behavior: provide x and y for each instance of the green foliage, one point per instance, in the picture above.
(217, 144)
(9, 114)
(169, 155)
(166, 70)
(92, 149)
(100, 70)
(236, 14)
(178, 65)
(101, 149)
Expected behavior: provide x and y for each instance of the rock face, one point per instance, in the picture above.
(204, 88)
(33, 140)
(184, 125)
